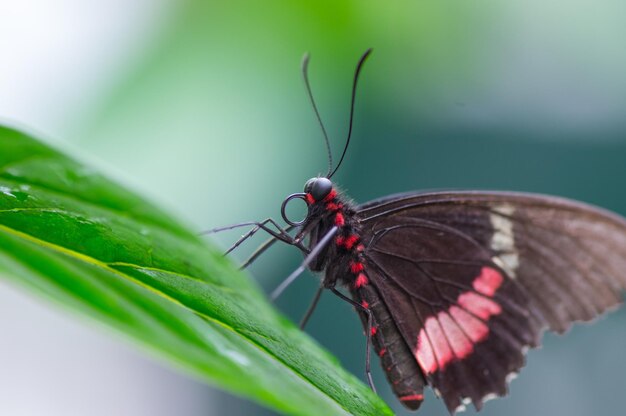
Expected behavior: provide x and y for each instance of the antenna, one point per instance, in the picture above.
(356, 78)
(305, 74)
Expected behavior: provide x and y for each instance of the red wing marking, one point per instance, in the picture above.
(339, 220)
(488, 282)
(451, 334)
(365, 304)
(382, 352)
(374, 330)
(437, 337)
(425, 355)
(478, 305)
(461, 345)
(473, 327)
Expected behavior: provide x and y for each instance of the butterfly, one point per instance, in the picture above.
(453, 287)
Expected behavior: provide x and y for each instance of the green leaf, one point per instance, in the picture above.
(75, 237)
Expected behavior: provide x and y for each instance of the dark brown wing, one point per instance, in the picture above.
(472, 278)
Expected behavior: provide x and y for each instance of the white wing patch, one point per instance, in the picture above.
(503, 239)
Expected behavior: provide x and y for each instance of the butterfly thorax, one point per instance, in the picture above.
(342, 257)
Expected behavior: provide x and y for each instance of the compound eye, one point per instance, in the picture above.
(309, 184)
(320, 187)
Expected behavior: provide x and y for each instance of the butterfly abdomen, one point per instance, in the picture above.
(405, 378)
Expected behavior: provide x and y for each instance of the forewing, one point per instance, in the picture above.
(479, 275)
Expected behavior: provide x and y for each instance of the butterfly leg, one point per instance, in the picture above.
(260, 250)
(266, 245)
(312, 307)
(281, 235)
(368, 334)
(307, 260)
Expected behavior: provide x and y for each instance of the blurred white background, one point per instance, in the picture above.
(58, 60)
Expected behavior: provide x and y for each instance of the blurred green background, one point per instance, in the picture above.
(200, 106)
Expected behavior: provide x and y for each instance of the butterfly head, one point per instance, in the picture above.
(315, 190)
(318, 188)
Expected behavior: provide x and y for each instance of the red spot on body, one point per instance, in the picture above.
(330, 196)
(309, 199)
(339, 220)
(360, 248)
(356, 267)
(374, 330)
(347, 242)
(351, 241)
(331, 206)
(382, 352)
(361, 280)
(488, 281)
(365, 304)
(412, 397)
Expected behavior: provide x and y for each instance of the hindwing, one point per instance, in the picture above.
(473, 278)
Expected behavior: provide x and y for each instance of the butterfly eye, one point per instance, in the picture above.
(309, 184)
(318, 187)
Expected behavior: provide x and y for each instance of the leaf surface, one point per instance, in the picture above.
(76, 238)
